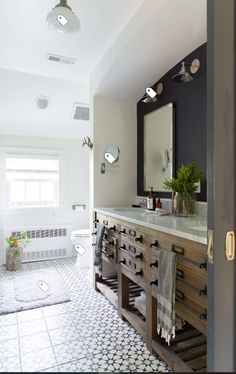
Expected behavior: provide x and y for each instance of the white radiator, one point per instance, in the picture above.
(46, 242)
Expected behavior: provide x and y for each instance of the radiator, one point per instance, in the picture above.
(46, 242)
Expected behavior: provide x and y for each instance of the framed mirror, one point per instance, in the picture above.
(157, 151)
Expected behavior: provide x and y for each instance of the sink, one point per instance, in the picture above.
(129, 210)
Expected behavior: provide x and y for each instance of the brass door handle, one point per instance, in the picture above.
(210, 246)
(230, 246)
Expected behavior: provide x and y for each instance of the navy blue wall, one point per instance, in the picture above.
(190, 119)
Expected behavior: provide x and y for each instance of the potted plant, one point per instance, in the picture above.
(183, 188)
(16, 245)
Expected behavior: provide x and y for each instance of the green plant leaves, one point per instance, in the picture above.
(185, 180)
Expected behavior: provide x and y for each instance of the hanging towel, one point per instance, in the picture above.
(98, 247)
(166, 295)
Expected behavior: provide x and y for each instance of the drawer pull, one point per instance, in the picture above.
(139, 239)
(112, 228)
(178, 250)
(139, 255)
(179, 294)
(139, 272)
(96, 221)
(93, 244)
(122, 262)
(203, 292)
(122, 247)
(154, 264)
(154, 282)
(94, 233)
(203, 265)
(180, 273)
(203, 316)
(154, 244)
(122, 231)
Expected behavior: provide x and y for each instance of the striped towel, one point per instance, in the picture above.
(98, 247)
(166, 295)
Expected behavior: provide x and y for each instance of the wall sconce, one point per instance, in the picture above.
(151, 96)
(187, 71)
(87, 141)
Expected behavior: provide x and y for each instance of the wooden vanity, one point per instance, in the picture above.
(130, 267)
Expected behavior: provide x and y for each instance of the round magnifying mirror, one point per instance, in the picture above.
(111, 153)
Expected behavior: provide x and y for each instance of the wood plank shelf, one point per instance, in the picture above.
(135, 319)
(186, 353)
(109, 288)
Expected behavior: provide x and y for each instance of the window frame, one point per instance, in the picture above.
(31, 153)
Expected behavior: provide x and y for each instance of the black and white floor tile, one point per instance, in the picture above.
(83, 335)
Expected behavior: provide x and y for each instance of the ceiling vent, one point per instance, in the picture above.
(62, 59)
(81, 111)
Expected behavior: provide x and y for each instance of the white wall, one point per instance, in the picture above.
(76, 185)
(114, 122)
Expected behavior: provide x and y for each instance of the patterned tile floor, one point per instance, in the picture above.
(83, 335)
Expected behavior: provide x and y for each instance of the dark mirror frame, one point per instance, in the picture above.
(142, 110)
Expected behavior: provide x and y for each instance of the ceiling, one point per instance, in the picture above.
(123, 46)
(25, 39)
(165, 32)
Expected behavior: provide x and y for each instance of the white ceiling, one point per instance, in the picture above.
(123, 46)
(25, 39)
(165, 32)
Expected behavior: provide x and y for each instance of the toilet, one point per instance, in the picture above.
(82, 242)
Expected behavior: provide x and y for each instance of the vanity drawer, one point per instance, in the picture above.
(185, 270)
(133, 269)
(188, 310)
(185, 249)
(137, 253)
(132, 235)
(110, 248)
(109, 223)
(193, 315)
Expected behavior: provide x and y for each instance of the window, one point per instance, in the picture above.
(31, 182)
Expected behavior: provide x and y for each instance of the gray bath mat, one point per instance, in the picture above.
(34, 289)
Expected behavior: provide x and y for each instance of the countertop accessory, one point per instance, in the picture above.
(183, 188)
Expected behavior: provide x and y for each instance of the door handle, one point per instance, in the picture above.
(230, 246)
(210, 246)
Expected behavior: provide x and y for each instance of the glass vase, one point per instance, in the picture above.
(184, 204)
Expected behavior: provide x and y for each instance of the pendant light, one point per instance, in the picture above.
(62, 19)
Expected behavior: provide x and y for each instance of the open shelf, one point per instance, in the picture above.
(186, 353)
(109, 288)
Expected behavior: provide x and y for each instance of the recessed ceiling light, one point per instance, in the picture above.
(42, 102)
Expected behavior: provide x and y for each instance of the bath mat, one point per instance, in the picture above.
(28, 290)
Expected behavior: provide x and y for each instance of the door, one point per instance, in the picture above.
(221, 183)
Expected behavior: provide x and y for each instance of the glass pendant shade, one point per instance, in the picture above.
(63, 20)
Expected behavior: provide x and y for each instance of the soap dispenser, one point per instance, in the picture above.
(151, 200)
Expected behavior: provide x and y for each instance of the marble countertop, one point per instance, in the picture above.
(192, 228)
